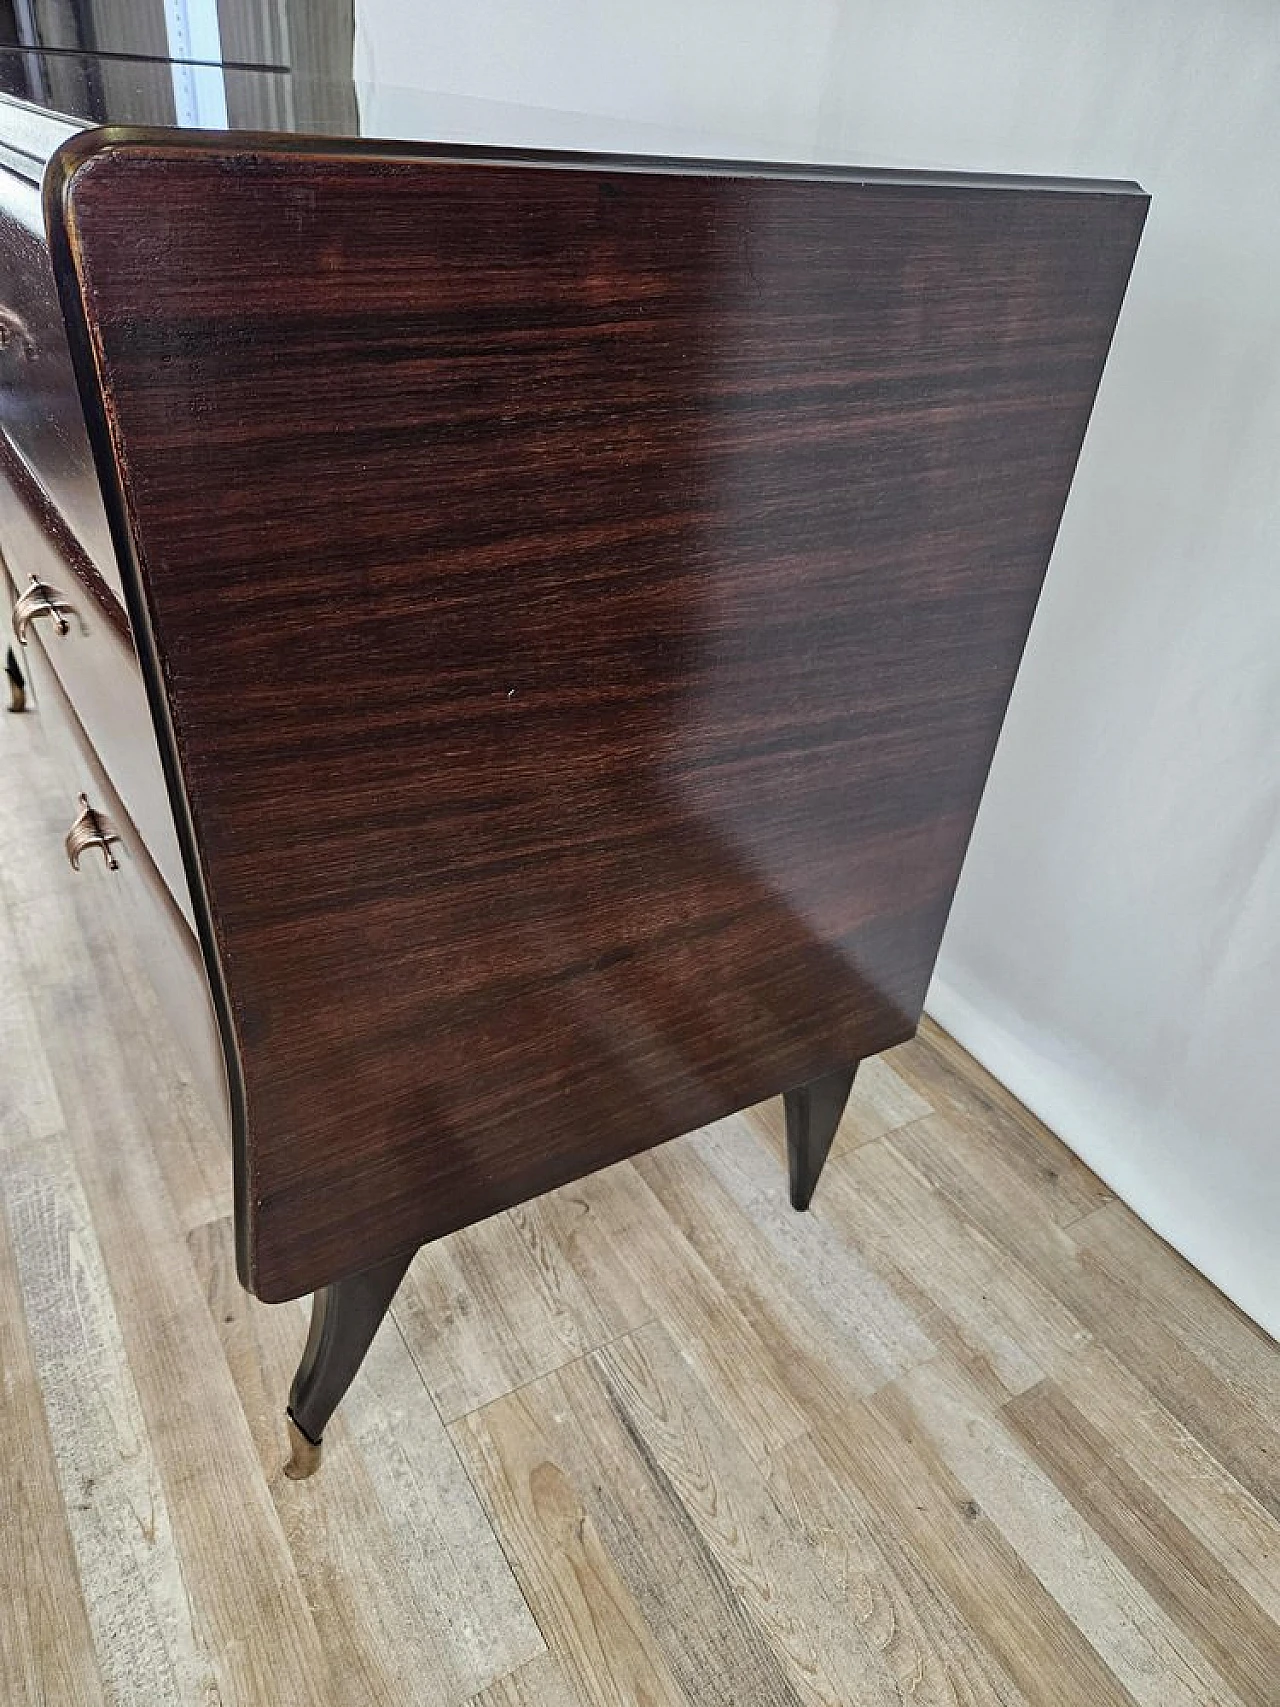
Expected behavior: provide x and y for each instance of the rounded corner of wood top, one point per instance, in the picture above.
(77, 151)
(88, 150)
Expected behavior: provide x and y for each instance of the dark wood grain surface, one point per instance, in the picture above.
(585, 601)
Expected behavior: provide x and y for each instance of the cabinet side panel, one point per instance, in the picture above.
(585, 603)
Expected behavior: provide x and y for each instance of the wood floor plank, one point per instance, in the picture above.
(998, 1317)
(691, 1448)
(808, 1348)
(961, 1091)
(865, 1311)
(974, 1170)
(608, 1230)
(617, 1235)
(253, 1621)
(606, 1473)
(483, 1314)
(366, 1547)
(1238, 1352)
(1154, 1545)
(136, 1598)
(477, 1624)
(592, 1622)
(878, 1447)
(935, 1658)
(1179, 1469)
(29, 1106)
(542, 1683)
(47, 1656)
(1140, 1643)
(558, 1230)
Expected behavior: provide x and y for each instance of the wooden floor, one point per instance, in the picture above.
(967, 1433)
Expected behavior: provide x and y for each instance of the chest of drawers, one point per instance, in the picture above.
(622, 567)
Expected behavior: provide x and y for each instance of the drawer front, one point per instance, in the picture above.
(164, 943)
(40, 413)
(94, 659)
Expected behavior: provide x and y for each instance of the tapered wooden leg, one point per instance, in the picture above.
(344, 1319)
(17, 685)
(813, 1115)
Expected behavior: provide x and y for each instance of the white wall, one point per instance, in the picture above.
(1114, 952)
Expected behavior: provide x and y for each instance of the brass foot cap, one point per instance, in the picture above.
(304, 1459)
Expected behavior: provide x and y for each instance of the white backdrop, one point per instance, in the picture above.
(1114, 952)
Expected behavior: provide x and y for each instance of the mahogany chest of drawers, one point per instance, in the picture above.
(529, 631)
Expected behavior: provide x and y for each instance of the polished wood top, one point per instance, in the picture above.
(583, 598)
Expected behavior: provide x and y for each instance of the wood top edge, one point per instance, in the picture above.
(85, 146)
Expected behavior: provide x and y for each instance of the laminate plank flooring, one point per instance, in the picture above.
(966, 1435)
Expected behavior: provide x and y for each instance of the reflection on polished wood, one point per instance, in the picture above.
(967, 1432)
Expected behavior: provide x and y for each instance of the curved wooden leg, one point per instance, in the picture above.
(813, 1116)
(344, 1319)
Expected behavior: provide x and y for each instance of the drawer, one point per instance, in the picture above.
(161, 937)
(40, 413)
(94, 660)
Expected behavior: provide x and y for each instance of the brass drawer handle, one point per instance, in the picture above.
(39, 600)
(92, 830)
